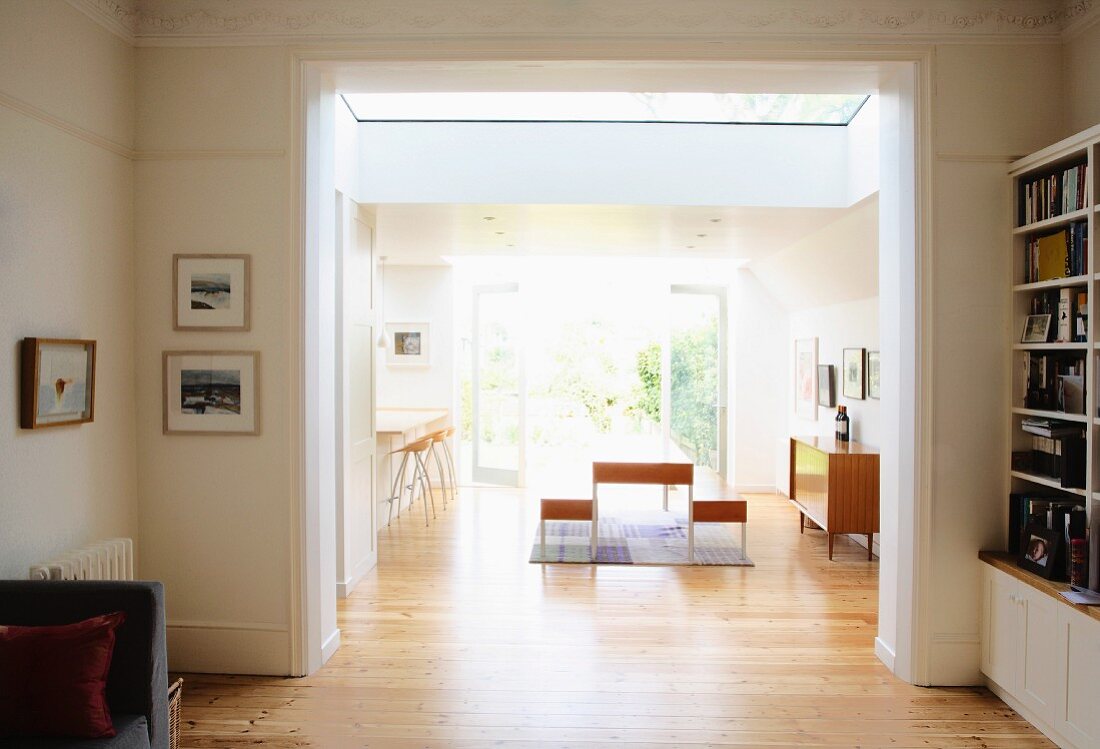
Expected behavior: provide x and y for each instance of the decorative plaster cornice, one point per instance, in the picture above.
(279, 21)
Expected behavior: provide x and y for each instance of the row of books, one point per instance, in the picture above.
(1060, 254)
(1065, 515)
(1054, 382)
(1068, 307)
(1053, 194)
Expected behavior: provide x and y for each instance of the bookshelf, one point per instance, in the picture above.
(1044, 212)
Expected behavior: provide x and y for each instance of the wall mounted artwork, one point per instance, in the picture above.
(874, 386)
(211, 292)
(805, 378)
(826, 385)
(58, 382)
(407, 344)
(211, 392)
(853, 373)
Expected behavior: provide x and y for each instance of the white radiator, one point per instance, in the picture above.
(112, 559)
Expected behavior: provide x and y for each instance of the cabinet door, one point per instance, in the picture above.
(1041, 671)
(1080, 720)
(999, 627)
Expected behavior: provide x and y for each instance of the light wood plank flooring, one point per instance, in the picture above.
(456, 641)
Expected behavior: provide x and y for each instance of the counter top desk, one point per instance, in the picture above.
(836, 485)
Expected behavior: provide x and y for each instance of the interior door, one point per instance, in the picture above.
(498, 386)
(697, 375)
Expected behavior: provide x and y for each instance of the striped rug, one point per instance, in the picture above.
(653, 537)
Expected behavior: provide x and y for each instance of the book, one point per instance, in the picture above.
(1053, 252)
(1064, 330)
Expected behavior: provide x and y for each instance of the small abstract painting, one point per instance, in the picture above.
(211, 292)
(853, 373)
(58, 382)
(407, 344)
(211, 392)
(873, 383)
(805, 378)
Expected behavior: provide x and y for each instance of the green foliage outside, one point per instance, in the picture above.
(585, 375)
(647, 393)
(695, 391)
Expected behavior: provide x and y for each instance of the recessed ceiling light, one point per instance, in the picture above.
(700, 235)
(715, 220)
(490, 218)
(691, 247)
(499, 233)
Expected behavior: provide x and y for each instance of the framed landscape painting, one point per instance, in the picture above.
(407, 344)
(805, 378)
(58, 382)
(211, 392)
(211, 292)
(854, 380)
(874, 386)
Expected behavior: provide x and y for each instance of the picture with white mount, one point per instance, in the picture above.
(210, 291)
(210, 391)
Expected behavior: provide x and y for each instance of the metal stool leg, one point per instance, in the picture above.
(397, 489)
(450, 468)
(442, 477)
(425, 485)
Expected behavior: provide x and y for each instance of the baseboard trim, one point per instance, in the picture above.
(885, 654)
(346, 587)
(1029, 716)
(954, 659)
(228, 648)
(330, 646)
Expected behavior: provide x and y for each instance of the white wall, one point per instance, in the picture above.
(66, 271)
(636, 164)
(1082, 81)
(212, 125)
(417, 293)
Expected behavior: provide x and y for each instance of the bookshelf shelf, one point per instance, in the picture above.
(1047, 481)
(1042, 182)
(1051, 415)
(1054, 283)
(1056, 222)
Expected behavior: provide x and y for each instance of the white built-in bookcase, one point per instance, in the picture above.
(1084, 145)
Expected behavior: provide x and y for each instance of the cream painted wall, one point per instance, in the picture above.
(1082, 84)
(66, 270)
(213, 124)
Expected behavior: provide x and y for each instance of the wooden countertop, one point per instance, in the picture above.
(1006, 562)
(401, 420)
(832, 445)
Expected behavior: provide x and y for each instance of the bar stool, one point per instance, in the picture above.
(418, 450)
(440, 438)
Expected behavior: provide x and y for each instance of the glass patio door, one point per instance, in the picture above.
(498, 386)
(697, 389)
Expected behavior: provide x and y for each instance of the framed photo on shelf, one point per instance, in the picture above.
(1039, 549)
(58, 382)
(407, 344)
(853, 373)
(1036, 329)
(211, 392)
(826, 386)
(805, 378)
(873, 384)
(211, 292)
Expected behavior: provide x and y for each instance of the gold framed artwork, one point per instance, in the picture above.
(211, 392)
(58, 382)
(211, 292)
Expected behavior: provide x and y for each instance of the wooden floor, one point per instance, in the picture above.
(456, 641)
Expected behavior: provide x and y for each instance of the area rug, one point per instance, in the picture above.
(641, 538)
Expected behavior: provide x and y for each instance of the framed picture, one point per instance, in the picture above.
(211, 292)
(58, 382)
(1039, 550)
(1036, 329)
(805, 378)
(826, 386)
(211, 392)
(853, 373)
(873, 385)
(407, 344)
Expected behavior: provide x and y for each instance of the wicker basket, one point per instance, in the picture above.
(175, 695)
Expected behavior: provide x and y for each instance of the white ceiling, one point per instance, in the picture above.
(425, 233)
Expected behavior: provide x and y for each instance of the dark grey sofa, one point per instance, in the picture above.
(137, 685)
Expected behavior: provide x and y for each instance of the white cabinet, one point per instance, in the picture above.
(1043, 658)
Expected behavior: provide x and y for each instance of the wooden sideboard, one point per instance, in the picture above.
(835, 484)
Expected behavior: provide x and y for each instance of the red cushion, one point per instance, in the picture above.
(53, 679)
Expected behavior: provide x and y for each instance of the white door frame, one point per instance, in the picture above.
(905, 303)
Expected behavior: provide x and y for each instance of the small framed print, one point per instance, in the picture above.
(874, 386)
(805, 378)
(407, 344)
(853, 373)
(211, 392)
(58, 382)
(1039, 549)
(211, 292)
(826, 386)
(1036, 329)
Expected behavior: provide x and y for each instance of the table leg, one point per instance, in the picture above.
(830, 547)
(801, 522)
(869, 547)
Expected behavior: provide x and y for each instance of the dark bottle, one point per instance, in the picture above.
(842, 423)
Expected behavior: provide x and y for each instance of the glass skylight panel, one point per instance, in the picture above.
(775, 109)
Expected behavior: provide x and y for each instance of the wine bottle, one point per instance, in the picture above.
(842, 423)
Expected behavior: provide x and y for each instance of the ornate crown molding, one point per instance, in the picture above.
(253, 21)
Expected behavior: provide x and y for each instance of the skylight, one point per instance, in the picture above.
(755, 109)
